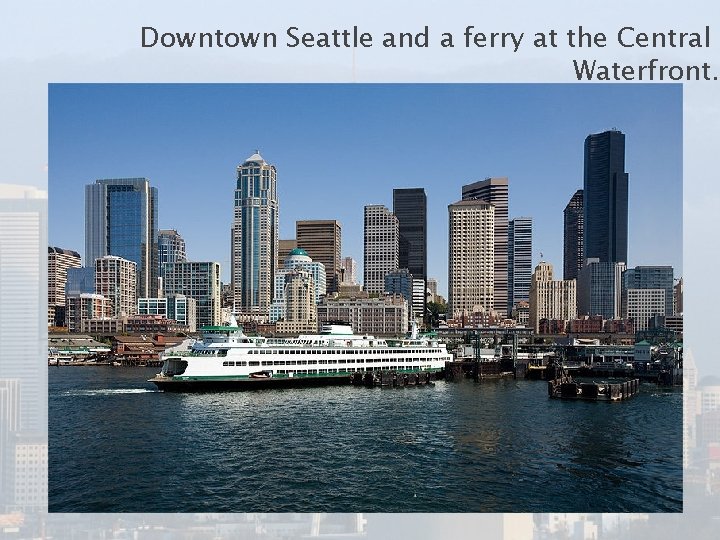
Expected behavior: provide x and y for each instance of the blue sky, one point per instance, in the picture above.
(339, 147)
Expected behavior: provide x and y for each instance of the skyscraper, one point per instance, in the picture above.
(321, 239)
(573, 236)
(121, 220)
(471, 257)
(519, 261)
(495, 191)
(23, 300)
(254, 237)
(605, 193)
(198, 280)
(171, 248)
(349, 268)
(381, 247)
(410, 208)
(599, 289)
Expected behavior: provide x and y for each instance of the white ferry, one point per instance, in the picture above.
(227, 359)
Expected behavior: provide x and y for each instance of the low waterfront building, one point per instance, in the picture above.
(80, 307)
(178, 307)
(103, 326)
(385, 316)
(153, 324)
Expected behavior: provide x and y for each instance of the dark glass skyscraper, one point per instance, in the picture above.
(605, 192)
(410, 208)
(121, 219)
(573, 236)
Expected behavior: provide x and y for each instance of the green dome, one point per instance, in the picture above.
(298, 251)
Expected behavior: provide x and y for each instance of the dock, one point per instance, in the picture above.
(567, 388)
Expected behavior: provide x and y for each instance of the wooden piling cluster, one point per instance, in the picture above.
(390, 379)
(567, 388)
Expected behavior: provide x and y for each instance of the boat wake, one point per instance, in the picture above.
(109, 392)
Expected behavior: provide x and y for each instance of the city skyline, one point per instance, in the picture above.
(556, 119)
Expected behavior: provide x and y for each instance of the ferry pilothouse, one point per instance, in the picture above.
(227, 359)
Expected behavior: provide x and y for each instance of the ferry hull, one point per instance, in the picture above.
(231, 385)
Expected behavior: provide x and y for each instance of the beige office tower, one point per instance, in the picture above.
(321, 240)
(495, 192)
(382, 244)
(550, 298)
(300, 308)
(471, 257)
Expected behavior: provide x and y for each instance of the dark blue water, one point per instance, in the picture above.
(118, 445)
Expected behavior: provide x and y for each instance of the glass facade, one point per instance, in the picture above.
(121, 220)
(573, 236)
(410, 208)
(605, 192)
(519, 261)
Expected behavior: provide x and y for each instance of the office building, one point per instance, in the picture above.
(650, 277)
(121, 220)
(200, 281)
(641, 305)
(381, 247)
(349, 271)
(401, 282)
(321, 239)
(59, 261)
(115, 279)
(605, 198)
(678, 296)
(599, 289)
(177, 307)
(284, 249)
(432, 286)
(410, 208)
(573, 231)
(171, 248)
(297, 259)
(519, 261)
(300, 306)
(81, 307)
(80, 279)
(23, 299)
(254, 239)
(471, 259)
(385, 316)
(495, 192)
(550, 298)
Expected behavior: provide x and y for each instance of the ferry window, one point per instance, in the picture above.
(268, 363)
(254, 363)
(277, 363)
(225, 363)
(291, 362)
(341, 361)
(322, 370)
(241, 363)
(231, 363)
